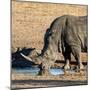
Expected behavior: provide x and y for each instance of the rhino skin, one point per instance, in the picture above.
(67, 34)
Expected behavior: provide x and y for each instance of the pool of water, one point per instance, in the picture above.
(35, 70)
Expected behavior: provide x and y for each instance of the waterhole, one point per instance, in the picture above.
(35, 71)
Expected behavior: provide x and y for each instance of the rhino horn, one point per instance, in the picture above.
(29, 59)
(26, 57)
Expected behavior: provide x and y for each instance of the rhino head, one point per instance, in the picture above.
(48, 54)
(43, 62)
(34, 57)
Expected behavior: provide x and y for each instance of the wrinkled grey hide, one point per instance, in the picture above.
(67, 34)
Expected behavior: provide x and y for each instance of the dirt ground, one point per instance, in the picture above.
(30, 21)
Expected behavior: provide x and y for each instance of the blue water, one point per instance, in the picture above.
(34, 71)
(27, 70)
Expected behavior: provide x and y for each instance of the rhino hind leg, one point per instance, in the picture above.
(76, 51)
(67, 57)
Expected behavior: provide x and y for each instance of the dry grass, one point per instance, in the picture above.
(30, 21)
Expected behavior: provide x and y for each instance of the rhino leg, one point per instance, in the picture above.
(67, 58)
(76, 51)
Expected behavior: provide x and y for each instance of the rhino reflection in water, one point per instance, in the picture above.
(67, 34)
